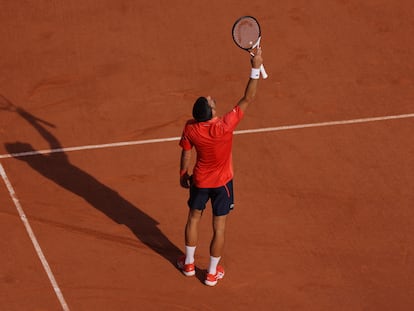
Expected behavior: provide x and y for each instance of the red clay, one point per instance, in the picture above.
(323, 217)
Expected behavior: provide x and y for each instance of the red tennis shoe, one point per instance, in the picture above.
(186, 269)
(212, 279)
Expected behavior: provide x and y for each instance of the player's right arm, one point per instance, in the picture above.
(250, 91)
(184, 166)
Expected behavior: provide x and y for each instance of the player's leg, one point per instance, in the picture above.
(215, 271)
(197, 202)
(191, 231)
(217, 242)
(223, 202)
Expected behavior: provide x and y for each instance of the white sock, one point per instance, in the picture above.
(189, 254)
(212, 269)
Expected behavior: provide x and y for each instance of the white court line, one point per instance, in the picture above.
(162, 140)
(330, 123)
(33, 239)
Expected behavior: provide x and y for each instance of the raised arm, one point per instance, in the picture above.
(250, 91)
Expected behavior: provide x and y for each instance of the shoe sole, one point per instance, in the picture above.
(190, 273)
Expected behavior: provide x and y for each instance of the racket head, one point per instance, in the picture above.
(246, 32)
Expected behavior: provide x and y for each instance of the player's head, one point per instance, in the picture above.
(202, 110)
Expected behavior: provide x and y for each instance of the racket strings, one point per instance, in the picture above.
(246, 33)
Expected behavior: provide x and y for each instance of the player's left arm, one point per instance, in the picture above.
(184, 166)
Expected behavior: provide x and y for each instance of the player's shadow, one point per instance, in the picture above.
(57, 167)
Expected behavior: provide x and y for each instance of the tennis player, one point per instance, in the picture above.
(212, 177)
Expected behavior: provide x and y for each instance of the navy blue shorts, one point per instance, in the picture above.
(222, 198)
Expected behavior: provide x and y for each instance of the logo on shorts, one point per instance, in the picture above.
(231, 206)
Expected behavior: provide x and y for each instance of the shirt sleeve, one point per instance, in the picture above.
(185, 143)
(232, 118)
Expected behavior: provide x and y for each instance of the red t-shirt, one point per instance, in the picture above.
(213, 141)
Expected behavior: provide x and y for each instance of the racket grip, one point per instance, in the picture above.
(263, 72)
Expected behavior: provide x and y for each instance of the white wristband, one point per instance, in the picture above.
(255, 73)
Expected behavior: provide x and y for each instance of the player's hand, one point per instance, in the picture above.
(257, 59)
(185, 180)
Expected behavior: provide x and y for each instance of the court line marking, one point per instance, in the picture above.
(33, 238)
(168, 139)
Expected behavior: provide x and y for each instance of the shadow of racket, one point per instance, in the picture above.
(7, 105)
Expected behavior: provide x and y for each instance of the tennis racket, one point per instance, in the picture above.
(246, 34)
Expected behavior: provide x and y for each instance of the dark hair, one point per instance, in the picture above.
(202, 110)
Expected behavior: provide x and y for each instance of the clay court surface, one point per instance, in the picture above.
(324, 214)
